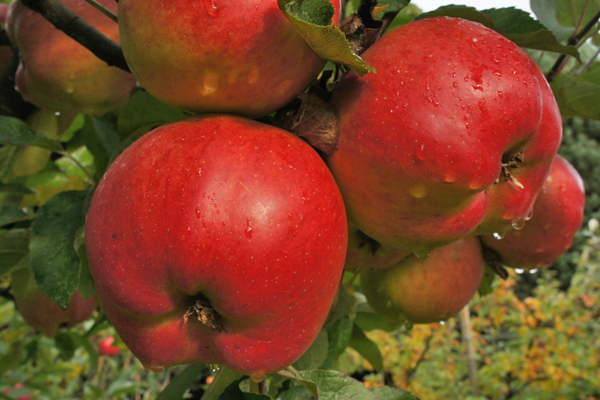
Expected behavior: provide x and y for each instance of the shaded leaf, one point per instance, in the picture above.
(315, 355)
(13, 131)
(312, 19)
(578, 95)
(142, 109)
(366, 348)
(233, 392)
(54, 260)
(178, 386)
(65, 344)
(339, 335)
(14, 246)
(10, 215)
(545, 11)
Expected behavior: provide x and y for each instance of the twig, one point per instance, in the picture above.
(79, 30)
(80, 165)
(561, 62)
(103, 10)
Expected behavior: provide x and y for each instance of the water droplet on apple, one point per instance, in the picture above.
(518, 224)
(474, 185)
(418, 191)
(70, 88)
(210, 83)
(529, 216)
(198, 213)
(257, 378)
(154, 368)
(214, 367)
(421, 153)
(211, 8)
(422, 257)
(499, 235)
(57, 113)
(248, 230)
(450, 177)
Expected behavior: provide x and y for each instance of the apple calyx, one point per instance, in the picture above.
(514, 162)
(312, 119)
(207, 315)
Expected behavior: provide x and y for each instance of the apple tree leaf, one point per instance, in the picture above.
(366, 348)
(65, 344)
(388, 393)
(485, 287)
(516, 25)
(13, 131)
(11, 214)
(568, 12)
(316, 353)
(545, 11)
(393, 5)
(312, 19)
(143, 109)
(223, 379)
(101, 139)
(14, 247)
(578, 95)
(339, 334)
(178, 385)
(233, 392)
(54, 259)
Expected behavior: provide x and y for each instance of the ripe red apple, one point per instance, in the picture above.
(220, 219)
(18, 385)
(105, 347)
(557, 215)
(425, 291)
(59, 74)
(47, 317)
(234, 56)
(423, 140)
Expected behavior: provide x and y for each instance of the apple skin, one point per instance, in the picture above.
(105, 347)
(426, 291)
(423, 139)
(59, 74)
(215, 56)
(46, 317)
(239, 212)
(557, 215)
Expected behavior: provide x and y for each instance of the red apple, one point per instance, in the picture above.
(422, 141)
(46, 317)
(59, 74)
(105, 347)
(18, 385)
(557, 215)
(220, 219)
(234, 56)
(425, 291)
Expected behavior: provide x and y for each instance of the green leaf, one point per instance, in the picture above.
(10, 215)
(14, 247)
(366, 348)
(388, 393)
(339, 338)
(13, 131)
(545, 11)
(485, 287)
(177, 387)
(516, 25)
(233, 392)
(345, 304)
(315, 355)
(142, 110)
(54, 260)
(579, 95)
(334, 385)
(82, 341)
(224, 379)
(86, 281)
(568, 12)
(312, 19)
(65, 344)
(102, 140)
(393, 5)
(12, 358)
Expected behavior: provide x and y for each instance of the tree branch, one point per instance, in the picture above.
(79, 30)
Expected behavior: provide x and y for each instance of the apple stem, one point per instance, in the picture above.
(513, 163)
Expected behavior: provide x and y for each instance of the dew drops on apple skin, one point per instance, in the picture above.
(518, 224)
(499, 235)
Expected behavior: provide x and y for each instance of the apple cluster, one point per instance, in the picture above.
(221, 239)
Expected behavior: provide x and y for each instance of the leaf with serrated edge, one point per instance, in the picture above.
(54, 259)
(329, 42)
(366, 348)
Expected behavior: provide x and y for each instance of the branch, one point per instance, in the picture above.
(561, 61)
(79, 30)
